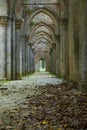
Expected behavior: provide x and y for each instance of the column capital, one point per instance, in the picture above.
(64, 21)
(26, 36)
(33, 50)
(30, 44)
(18, 22)
(54, 45)
(51, 50)
(57, 36)
(3, 20)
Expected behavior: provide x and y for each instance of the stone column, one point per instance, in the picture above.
(51, 60)
(13, 56)
(64, 48)
(28, 47)
(83, 43)
(74, 43)
(54, 58)
(33, 59)
(30, 57)
(20, 56)
(58, 54)
(23, 55)
(18, 49)
(47, 61)
(3, 24)
(64, 14)
(8, 50)
(26, 54)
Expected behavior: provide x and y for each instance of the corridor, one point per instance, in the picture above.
(15, 91)
(43, 64)
(38, 35)
(41, 101)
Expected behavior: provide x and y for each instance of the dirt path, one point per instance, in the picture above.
(42, 102)
(13, 93)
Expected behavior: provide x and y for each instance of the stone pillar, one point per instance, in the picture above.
(13, 56)
(83, 43)
(18, 49)
(29, 59)
(51, 60)
(23, 55)
(74, 43)
(33, 59)
(8, 50)
(26, 54)
(20, 56)
(47, 63)
(64, 38)
(3, 24)
(58, 54)
(28, 47)
(54, 58)
(64, 48)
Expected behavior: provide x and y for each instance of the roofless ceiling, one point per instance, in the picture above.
(42, 35)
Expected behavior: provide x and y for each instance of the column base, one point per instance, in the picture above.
(3, 79)
(83, 87)
(8, 77)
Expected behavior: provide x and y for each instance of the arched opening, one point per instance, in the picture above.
(42, 36)
(37, 36)
(42, 65)
(49, 14)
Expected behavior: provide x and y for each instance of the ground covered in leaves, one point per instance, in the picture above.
(56, 107)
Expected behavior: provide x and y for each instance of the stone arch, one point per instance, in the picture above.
(45, 33)
(39, 25)
(42, 17)
(47, 42)
(44, 25)
(37, 11)
(43, 36)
